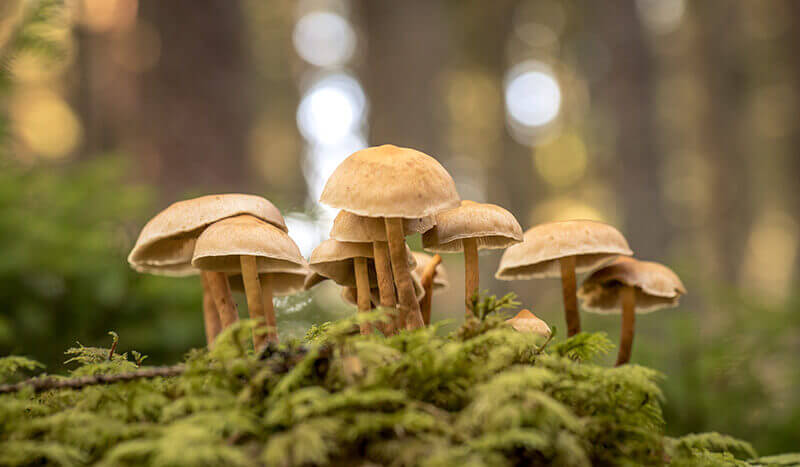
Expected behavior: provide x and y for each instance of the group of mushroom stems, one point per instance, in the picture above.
(384, 194)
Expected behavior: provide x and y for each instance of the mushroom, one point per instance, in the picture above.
(561, 249)
(262, 254)
(349, 264)
(349, 294)
(527, 322)
(349, 227)
(469, 228)
(394, 184)
(433, 278)
(166, 244)
(635, 287)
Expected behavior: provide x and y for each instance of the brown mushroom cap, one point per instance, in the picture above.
(657, 286)
(333, 259)
(219, 247)
(440, 281)
(593, 243)
(388, 181)
(166, 243)
(349, 227)
(527, 322)
(492, 226)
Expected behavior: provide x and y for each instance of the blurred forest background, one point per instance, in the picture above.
(675, 120)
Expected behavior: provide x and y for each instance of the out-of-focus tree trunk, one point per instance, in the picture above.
(794, 160)
(628, 92)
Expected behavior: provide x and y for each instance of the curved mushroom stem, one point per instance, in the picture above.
(628, 295)
(383, 270)
(210, 315)
(471, 272)
(409, 306)
(569, 290)
(223, 299)
(428, 274)
(255, 306)
(362, 291)
(269, 308)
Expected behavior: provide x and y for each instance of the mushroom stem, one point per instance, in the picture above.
(428, 274)
(628, 296)
(383, 270)
(471, 272)
(409, 306)
(362, 291)
(269, 308)
(255, 306)
(569, 289)
(223, 299)
(210, 315)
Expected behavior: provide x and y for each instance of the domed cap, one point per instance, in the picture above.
(440, 281)
(219, 247)
(166, 243)
(593, 243)
(349, 227)
(656, 286)
(282, 283)
(388, 181)
(527, 322)
(333, 259)
(492, 226)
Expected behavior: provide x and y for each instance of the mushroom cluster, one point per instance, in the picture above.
(384, 194)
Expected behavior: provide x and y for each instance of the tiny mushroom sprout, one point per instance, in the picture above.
(349, 227)
(469, 228)
(527, 322)
(262, 254)
(166, 244)
(349, 264)
(394, 184)
(562, 249)
(433, 278)
(634, 287)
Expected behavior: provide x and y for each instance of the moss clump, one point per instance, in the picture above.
(484, 395)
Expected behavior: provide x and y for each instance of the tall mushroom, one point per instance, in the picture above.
(634, 287)
(525, 321)
(349, 264)
(258, 251)
(562, 249)
(433, 278)
(395, 184)
(166, 244)
(469, 228)
(349, 227)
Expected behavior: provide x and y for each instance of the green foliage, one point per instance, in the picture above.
(10, 366)
(485, 304)
(483, 395)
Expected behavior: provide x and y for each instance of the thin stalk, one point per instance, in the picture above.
(428, 275)
(269, 308)
(628, 296)
(569, 289)
(255, 305)
(383, 270)
(210, 316)
(471, 272)
(223, 299)
(409, 306)
(362, 291)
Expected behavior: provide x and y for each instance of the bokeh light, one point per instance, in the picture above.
(324, 39)
(46, 123)
(322, 160)
(533, 96)
(305, 232)
(562, 161)
(333, 108)
(661, 16)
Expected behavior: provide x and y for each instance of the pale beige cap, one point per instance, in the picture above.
(593, 243)
(166, 243)
(492, 226)
(440, 281)
(527, 322)
(657, 286)
(219, 247)
(334, 260)
(389, 181)
(349, 227)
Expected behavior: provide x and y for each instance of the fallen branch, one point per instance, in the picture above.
(48, 383)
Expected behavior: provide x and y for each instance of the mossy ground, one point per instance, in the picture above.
(484, 395)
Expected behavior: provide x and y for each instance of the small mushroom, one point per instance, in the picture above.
(166, 244)
(634, 287)
(395, 184)
(527, 322)
(469, 228)
(562, 249)
(261, 253)
(349, 264)
(433, 278)
(349, 227)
